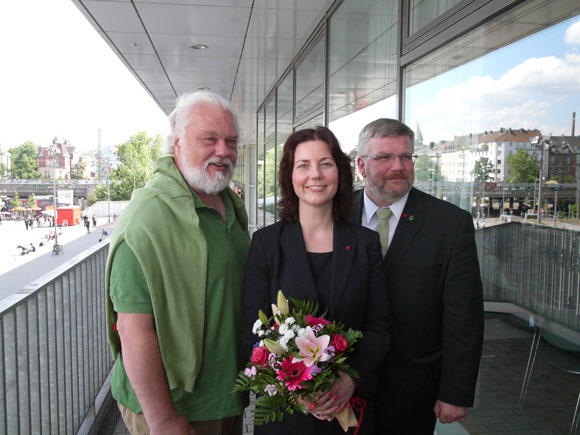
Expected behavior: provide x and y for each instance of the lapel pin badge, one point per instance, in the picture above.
(411, 217)
(347, 247)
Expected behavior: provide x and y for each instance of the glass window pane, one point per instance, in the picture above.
(363, 66)
(474, 105)
(270, 185)
(311, 123)
(422, 12)
(310, 82)
(284, 124)
(261, 169)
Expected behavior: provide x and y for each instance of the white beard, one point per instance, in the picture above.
(199, 179)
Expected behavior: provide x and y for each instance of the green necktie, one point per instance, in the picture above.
(383, 227)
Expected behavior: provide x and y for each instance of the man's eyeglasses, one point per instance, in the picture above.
(390, 158)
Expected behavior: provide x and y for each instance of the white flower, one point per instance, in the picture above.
(261, 343)
(260, 333)
(290, 334)
(272, 361)
(283, 329)
(301, 332)
(290, 320)
(251, 372)
(271, 390)
(256, 327)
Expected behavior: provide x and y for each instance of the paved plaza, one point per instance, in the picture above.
(18, 270)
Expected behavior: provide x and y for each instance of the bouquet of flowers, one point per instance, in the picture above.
(296, 356)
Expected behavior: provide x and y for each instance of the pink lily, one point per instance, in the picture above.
(311, 347)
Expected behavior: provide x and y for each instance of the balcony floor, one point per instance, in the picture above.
(549, 404)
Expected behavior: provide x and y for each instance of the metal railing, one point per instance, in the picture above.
(55, 356)
(533, 267)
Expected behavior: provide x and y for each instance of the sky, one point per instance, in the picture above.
(533, 83)
(59, 78)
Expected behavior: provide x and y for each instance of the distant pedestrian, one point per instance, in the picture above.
(87, 223)
(26, 223)
(94, 221)
(103, 235)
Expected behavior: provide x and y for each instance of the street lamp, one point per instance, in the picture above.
(554, 185)
(544, 145)
(53, 153)
(108, 189)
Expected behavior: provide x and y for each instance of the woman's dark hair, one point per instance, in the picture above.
(343, 200)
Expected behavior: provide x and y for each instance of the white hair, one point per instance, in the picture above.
(181, 116)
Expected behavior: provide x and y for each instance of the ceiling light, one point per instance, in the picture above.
(198, 47)
(203, 88)
(133, 44)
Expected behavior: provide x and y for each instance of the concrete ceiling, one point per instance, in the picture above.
(250, 44)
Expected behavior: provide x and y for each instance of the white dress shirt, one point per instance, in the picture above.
(370, 218)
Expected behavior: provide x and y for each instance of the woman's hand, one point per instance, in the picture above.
(335, 399)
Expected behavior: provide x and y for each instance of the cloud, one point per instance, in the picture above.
(573, 34)
(523, 97)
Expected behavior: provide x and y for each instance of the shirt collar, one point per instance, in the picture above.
(396, 207)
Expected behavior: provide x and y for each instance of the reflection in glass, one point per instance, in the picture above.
(261, 168)
(270, 160)
(284, 124)
(311, 123)
(474, 107)
(363, 66)
(309, 82)
(425, 11)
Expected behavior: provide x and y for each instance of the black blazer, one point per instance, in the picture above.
(436, 302)
(278, 261)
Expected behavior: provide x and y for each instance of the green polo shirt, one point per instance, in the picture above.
(228, 246)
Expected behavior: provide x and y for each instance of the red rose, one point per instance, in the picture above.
(339, 342)
(260, 356)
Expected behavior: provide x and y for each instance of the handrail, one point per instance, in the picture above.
(534, 267)
(54, 349)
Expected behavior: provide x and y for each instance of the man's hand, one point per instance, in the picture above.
(447, 413)
(176, 425)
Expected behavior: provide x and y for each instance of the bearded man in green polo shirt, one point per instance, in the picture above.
(174, 282)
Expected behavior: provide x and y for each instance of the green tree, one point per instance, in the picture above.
(16, 201)
(3, 167)
(573, 210)
(24, 161)
(483, 170)
(135, 165)
(522, 167)
(32, 202)
(78, 170)
(426, 169)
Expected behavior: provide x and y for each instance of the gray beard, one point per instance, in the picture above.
(200, 180)
(385, 197)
